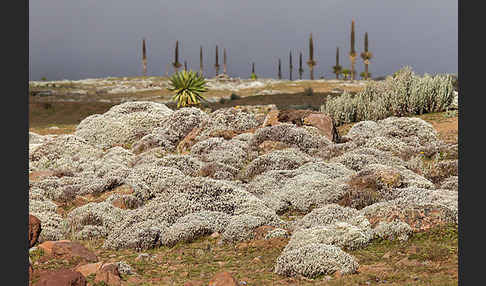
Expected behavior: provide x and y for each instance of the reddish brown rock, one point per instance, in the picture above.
(294, 116)
(271, 118)
(119, 203)
(324, 124)
(186, 143)
(109, 275)
(69, 250)
(269, 146)
(226, 134)
(88, 269)
(39, 175)
(223, 279)
(261, 232)
(47, 245)
(319, 120)
(63, 277)
(34, 230)
(241, 246)
(417, 217)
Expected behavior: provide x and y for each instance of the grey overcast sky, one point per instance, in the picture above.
(101, 38)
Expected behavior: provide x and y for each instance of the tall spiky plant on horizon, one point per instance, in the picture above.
(311, 63)
(279, 69)
(352, 52)
(216, 65)
(176, 64)
(224, 60)
(144, 57)
(253, 74)
(337, 68)
(290, 65)
(366, 56)
(185, 65)
(301, 70)
(201, 61)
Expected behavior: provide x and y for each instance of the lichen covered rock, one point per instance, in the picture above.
(315, 259)
(123, 124)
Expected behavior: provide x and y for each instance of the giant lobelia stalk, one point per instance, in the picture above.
(176, 64)
(201, 61)
(301, 70)
(224, 60)
(366, 56)
(144, 58)
(253, 74)
(352, 53)
(290, 65)
(279, 69)
(337, 68)
(216, 65)
(311, 63)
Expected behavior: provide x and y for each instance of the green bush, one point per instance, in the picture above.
(222, 100)
(234, 96)
(402, 94)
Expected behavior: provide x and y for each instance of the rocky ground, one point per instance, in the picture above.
(144, 195)
(123, 89)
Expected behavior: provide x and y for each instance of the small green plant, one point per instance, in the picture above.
(254, 76)
(365, 76)
(450, 113)
(345, 73)
(188, 86)
(308, 91)
(36, 254)
(222, 100)
(44, 78)
(234, 96)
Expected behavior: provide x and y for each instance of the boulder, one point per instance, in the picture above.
(109, 275)
(63, 277)
(294, 116)
(46, 246)
(271, 118)
(88, 269)
(324, 124)
(68, 250)
(34, 230)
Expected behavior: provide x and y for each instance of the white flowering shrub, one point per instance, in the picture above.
(402, 94)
